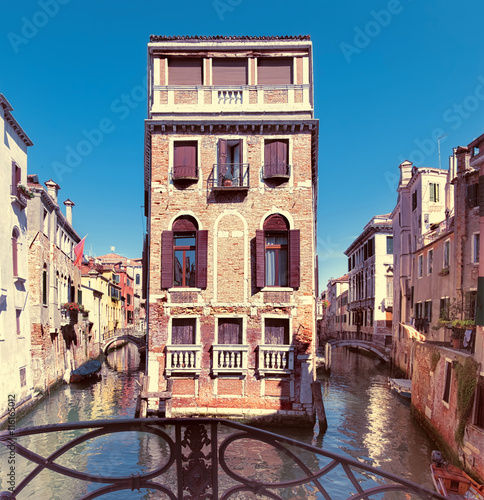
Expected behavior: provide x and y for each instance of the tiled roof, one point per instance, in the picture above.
(164, 38)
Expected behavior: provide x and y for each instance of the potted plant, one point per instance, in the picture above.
(444, 271)
(228, 179)
(25, 191)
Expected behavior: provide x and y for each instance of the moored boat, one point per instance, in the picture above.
(452, 482)
(402, 386)
(86, 372)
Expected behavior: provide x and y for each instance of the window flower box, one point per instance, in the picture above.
(444, 271)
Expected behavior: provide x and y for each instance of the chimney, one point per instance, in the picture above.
(69, 204)
(52, 189)
(463, 158)
(405, 172)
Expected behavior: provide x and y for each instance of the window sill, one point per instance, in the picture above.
(19, 279)
(184, 289)
(277, 289)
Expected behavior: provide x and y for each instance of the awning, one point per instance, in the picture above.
(413, 334)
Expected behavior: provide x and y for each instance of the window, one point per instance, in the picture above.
(428, 311)
(16, 177)
(23, 378)
(15, 235)
(275, 71)
(137, 278)
(475, 248)
(128, 299)
(448, 378)
(470, 305)
(414, 200)
(230, 331)
(18, 313)
(184, 255)
(230, 162)
(430, 261)
(479, 404)
(420, 266)
(44, 285)
(185, 71)
(276, 331)
(276, 157)
(185, 160)
(389, 244)
(277, 254)
(183, 331)
(446, 253)
(473, 195)
(444, 308)
(434, 192)
(229, 71)
(45, 223)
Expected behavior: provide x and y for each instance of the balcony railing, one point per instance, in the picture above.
(247, 98)
(229, 358)
(20, 197)
(277, 171)
(183, 359)
(276, 360)
(427, 238)
(185, 173)
(230, 176)
(198, 458)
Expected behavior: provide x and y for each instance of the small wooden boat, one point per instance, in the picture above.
(86, 372)
(452, 482)
(402, 386)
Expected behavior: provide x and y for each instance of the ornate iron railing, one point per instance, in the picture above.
(209, 459)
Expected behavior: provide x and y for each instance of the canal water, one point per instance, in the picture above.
(366, 421)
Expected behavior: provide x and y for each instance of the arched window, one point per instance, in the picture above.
(184, 255)
(15, 236)
(277, 254)
(44, 285)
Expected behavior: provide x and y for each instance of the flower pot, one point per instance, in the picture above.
(227, 182)
(456, 343)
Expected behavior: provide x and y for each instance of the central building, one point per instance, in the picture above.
(230, 194)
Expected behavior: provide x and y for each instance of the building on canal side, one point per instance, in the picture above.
(15, 372)
(336, 315)
(437, 293)
(231, 148)
(370, 278)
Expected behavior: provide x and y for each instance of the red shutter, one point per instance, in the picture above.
(229, 71)
(274, 71)
(185, 71)
(222, 160)
(281, 153)
(268, 153)
(294, 258)
(202, 258)
(167, 259)
(14, 255)
(260, 258)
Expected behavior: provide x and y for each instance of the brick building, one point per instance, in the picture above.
(231, 190)
(15, 373)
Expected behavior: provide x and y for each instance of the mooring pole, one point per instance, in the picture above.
(319, 405)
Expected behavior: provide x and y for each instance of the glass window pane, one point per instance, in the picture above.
(185, 241)
(190, 268)
(270, 267)
(283, 281)
(178, 277)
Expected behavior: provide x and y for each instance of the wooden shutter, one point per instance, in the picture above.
(185, 71)
(229, 71)
(222, 159)
(14, 254)
(201, 259)
(281, 152)
(275, 71)
(268, 152)
(276, 331)
(294, 258)
(183, 331)
(167, 259)
(260, 255)
(185, 153)
(230, 331)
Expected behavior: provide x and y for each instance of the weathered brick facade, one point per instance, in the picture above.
(253, 378)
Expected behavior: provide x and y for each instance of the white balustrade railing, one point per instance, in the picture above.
(229, 358)
(275, 359)
(183, 358)
(229, 96)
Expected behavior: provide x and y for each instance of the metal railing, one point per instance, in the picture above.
(230, 176)
(442, 228)
(202, 459)
(184, 172)
(277, 170)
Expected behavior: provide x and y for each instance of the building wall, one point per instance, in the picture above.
(15, 371)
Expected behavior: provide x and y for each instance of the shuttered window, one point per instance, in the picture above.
(275, 71)
(185, 154)
(185, 71)
(229, 71)
(276, 331)
(183, 331)
(473, 195)
(184, 256)
(277, 254)
(276, 157)
(230, 331)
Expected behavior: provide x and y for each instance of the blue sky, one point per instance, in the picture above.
(391, 76)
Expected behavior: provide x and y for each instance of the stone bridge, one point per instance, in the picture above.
(382, 352)
(136, 337)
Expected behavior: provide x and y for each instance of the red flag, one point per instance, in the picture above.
(78, 251)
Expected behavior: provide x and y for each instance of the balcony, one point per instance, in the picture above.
(276, 360)
(229, 359)
(229, 177)
(183, 173)
(183, 359)
(437, 230)
(231, 98)
(19, 196)
(277, 171)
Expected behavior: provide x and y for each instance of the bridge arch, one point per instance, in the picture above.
(380, 351)
(139, 342)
